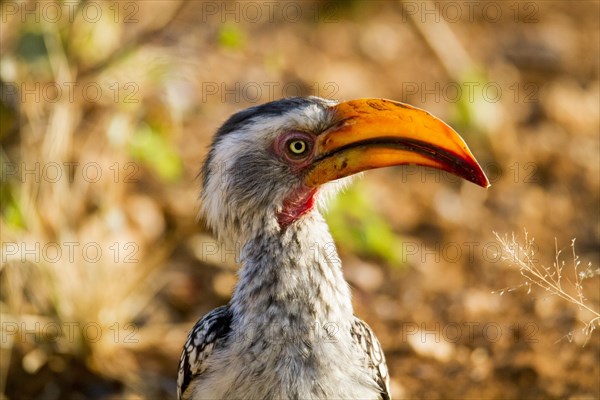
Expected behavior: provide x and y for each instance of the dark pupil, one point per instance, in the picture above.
(297, 146)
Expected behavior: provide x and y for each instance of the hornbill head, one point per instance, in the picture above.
(269, 164)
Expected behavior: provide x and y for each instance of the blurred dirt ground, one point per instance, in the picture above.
(107, 112)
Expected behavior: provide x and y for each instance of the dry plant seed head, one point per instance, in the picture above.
(554, 279)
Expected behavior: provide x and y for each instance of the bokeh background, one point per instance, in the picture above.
(107, 111)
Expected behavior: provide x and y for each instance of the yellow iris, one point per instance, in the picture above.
(297, 146)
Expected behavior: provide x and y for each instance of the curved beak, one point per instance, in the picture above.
(376, 133)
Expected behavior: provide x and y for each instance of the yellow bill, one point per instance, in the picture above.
(376, 133)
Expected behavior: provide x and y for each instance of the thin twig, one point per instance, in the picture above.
(143, 38)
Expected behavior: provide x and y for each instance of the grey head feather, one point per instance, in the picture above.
(244, 184)
(242, 118)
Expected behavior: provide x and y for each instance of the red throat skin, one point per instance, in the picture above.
(298, 203)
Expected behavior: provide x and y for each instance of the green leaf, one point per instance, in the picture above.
(9, 208)
(231, 36)
(152, 148)
(357, 225)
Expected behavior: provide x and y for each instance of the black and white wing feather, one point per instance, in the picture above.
(368, 344)
(205, 336)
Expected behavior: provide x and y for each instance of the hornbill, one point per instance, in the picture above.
(289, 331)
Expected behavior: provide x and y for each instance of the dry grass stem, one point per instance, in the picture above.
(552, 279)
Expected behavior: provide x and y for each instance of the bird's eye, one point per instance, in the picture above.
(297, 147)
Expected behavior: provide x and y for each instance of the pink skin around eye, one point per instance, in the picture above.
(302, 199)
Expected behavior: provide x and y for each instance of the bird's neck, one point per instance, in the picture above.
(292, 278)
